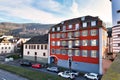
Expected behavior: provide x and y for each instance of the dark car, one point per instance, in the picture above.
(26, 63)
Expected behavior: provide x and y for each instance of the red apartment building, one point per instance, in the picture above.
(82, 40)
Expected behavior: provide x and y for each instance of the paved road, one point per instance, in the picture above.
(4, 75)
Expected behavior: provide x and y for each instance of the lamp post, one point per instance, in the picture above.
(70, 62)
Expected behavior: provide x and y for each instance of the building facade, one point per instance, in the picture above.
(116, 25)
(6, 46)
(36, 49)
(82, 40)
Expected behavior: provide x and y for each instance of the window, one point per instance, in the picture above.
(77, 52)
(93, 23)
(34, 46)
(44, 54)
(76, 26)
(53, 51)
(83, 18)
(84, 33)
(29, 47)
(118, 44)
(118, 11)
(63, 35)
(70, 26)
(53, 43)
(58, 28)
(25, 46)
(53, 29)
(69, 52)
(57, 51)
(35, 53)
(70, 44)
(58, 43)
(53, 35)
(70, 35)
(84, 42)
(28, 53)
(77, 43)
(64, 28)
(41, 46)
(45, 46)
(63, 52)
(58, 35)
(5, 47)
(77, 34)
(9, 47)
(118, 22)
(84, 53)
(38, 47)
(93, 42)
(64, 43)
(93, 53)
(93, 32)
(2, 48)
(84, 24)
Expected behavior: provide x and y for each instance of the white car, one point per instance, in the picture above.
(54, 69)
(66, 75)
(93, 76)
(72, 72)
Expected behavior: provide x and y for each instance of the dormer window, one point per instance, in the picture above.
(77, 27)
(93, 23)
(84, 24)
(58, 28)
(53, 29)
(70, 26)
(83, 18)
(64, 28)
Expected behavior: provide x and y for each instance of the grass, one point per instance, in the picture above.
(30, 74)
(113, 72)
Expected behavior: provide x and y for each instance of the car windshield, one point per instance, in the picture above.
(91, 75)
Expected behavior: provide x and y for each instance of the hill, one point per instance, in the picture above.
(24, 29)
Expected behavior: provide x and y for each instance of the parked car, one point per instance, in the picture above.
(36, 66)
(92, 76)
(25, 63)
(53, 69)
(72, 72)
(66, 75)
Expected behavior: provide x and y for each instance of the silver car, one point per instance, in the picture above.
(53, 69)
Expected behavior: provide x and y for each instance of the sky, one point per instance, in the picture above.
(53, 11)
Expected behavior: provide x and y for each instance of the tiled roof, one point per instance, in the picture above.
(42, 39)
(77, 20)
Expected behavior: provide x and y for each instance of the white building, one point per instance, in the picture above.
(116, 25)
(36, 49)
(6, 46)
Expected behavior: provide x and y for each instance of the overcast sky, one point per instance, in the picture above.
(53, 11)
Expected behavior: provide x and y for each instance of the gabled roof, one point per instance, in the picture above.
(42, 39)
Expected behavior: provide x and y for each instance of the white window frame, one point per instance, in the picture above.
(94, 53)
(77, 52)
(77, 34)
(84, 24)
(58, 43)
(70, 53)
(93, 23)
(53, 43)
(70, 26)
(58, 28)
(53, 29)
(84, 33)
(84, 42)
(77, 42)
(77, 27)
(93, 32)
(93, 42)
(84, 53)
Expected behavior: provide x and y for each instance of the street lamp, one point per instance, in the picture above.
(70, 61)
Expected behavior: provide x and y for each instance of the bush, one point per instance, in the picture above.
(14, 56)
